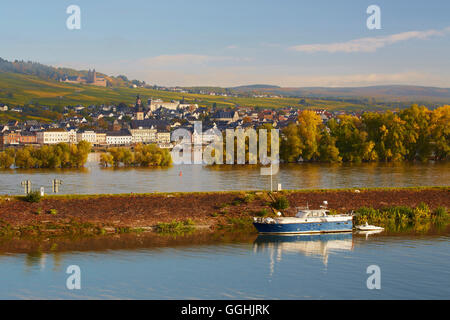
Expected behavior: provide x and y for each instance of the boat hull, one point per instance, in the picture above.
(299, 228)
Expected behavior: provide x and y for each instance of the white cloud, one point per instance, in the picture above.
(181, 60)
(234, 76)
(369, 44)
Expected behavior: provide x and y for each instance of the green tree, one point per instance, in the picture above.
(327, 150)
(387, 131)
(352, 139)
(418, 132)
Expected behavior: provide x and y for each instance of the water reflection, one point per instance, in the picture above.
(368, 233)
(222, 266)
(94, 179)
(35, 260)
(319, 245)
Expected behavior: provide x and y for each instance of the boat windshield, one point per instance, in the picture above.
(302, 214)
(311, 213)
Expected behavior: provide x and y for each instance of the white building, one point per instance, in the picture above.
(163, 137)
(72, 136)
(89, 136)
(143, 135)
(52, 137)
(119, 138)
(100, 138)
(156, 104)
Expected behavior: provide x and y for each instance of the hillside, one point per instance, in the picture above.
(19, 89)
(26, 82)
(392, 93)
(45, 72)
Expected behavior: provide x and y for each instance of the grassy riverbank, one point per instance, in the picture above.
(80, 215)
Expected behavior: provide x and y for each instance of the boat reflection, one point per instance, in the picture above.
(368, 233)
(319, 245)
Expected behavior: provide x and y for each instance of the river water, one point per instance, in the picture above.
(93, 179)
(293, 267)
(412, 266)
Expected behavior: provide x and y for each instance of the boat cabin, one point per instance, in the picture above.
(311, 213)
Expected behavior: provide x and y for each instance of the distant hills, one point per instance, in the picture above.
(255, 87)
(393, 93)
(25, 82)
(387, 93)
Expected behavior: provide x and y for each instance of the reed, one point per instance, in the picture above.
(399, 215)
(175, 227)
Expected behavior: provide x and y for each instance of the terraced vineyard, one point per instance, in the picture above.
(17, 89)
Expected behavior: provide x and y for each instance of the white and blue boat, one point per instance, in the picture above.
(305, 221)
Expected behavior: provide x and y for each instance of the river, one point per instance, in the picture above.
(248, 267)
(179, 178)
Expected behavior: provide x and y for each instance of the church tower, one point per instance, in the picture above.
(138, 106)
(138, 109)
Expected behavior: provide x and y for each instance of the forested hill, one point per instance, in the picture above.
(45, 72)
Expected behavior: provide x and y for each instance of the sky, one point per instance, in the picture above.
(290, 43)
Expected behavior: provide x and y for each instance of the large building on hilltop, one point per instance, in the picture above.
(92, 78)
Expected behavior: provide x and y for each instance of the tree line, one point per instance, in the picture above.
(149, 155)
(415, 133)
(61, 155)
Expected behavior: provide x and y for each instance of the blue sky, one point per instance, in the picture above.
(229, 43)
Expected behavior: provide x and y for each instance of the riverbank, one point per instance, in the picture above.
(101, 214)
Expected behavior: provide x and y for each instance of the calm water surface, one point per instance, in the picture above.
(93, 179)
(299, 267)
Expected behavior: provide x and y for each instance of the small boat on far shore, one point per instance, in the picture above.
(368, 227)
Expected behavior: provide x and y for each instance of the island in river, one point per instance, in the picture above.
(100, 214)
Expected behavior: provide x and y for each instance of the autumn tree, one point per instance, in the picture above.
(352, 139)
(418, 132)
(440, 132)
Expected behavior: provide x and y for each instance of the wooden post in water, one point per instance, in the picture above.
(27, 186)
(56, 184)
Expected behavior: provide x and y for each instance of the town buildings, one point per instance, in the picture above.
(151, 123)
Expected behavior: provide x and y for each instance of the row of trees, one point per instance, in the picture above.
(61, 155)
(416, 133)
(143, 155)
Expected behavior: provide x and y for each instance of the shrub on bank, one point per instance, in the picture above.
(33, 197)
(262, 213)
(440, 213)
(175, 226)
(281, 203)
(249, 198)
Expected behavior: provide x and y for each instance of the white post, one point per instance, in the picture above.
(271, 176)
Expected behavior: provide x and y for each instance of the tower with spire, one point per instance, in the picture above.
(138, 109)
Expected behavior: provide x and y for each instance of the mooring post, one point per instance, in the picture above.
(26, 184)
